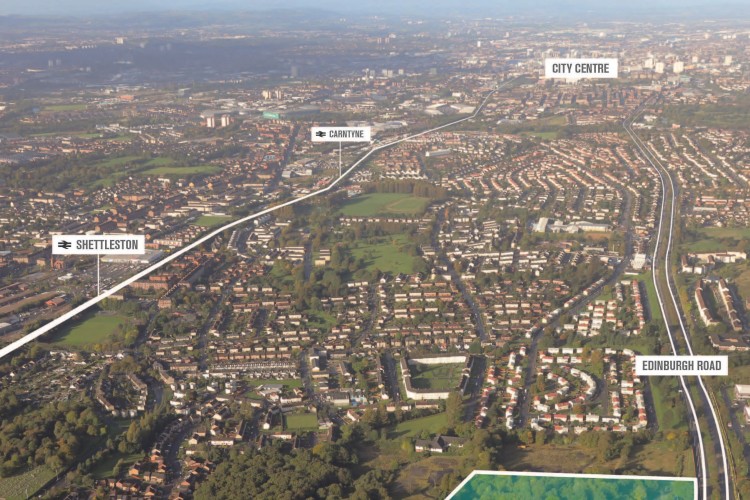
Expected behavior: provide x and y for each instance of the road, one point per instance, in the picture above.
(532, 354)
(661, 259)
(473, 391)
(476, 314)
(187, 248)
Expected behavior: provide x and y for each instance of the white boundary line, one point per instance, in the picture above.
(567, 475)
(92, 302)
(648, 155)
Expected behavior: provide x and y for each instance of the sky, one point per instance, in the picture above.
(603, 8)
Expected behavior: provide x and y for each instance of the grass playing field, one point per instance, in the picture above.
(301, 421)
(65, 107)
(179, 171)
(92, 330)
(385, 204)
(212, 220)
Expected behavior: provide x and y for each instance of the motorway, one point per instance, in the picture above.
(671, 309)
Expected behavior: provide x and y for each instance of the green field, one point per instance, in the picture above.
(385, 204)
(82, 135)
(26, 484)
(656, 458)
(104, 468)
(742, 282)
(386, 255)
(92, 330)
(661, 406)
(321, 319)
(301, 422)
(547, 127)
(181, 171)
(161, 161)
(411, 428)
(119, 161)
(437, 377)
(541, 135)
(121, 138)
(713, 239)
(65, 107)
(212, 220)
(653, 302)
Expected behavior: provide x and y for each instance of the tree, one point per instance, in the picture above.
(118, 468)
(540, 437)
(257, 474)
(454, 409)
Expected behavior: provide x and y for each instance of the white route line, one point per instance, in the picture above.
(627, 123)
(92, 302)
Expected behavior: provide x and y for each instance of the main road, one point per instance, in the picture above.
(671, 309)
(182, 251)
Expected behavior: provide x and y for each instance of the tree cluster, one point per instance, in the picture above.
(51, 435)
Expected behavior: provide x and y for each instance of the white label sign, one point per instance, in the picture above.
(681, 365)
(340, 134)
(580, 68)
(99, 244)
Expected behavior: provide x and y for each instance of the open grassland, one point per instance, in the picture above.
(385, 204)
(438, 377)
(653, 301)
(415, 480)
(212, 220)
(714, 239)
(181, 171)
(655, 458)
(64, 107)
(386, 255)
(413, 427)
(92, 330)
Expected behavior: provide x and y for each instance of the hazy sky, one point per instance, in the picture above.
(599, 8)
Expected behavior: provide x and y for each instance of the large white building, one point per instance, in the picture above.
(742, 391)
